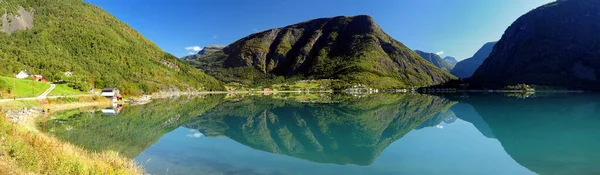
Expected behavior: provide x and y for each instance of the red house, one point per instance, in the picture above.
(39, 78)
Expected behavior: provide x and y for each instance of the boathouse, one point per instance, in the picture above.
(111, 93)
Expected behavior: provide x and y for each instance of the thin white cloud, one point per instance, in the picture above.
(440, 53)
(194, 48)
(192, 53)
(254, 29)
(215, 37)
(195, 134)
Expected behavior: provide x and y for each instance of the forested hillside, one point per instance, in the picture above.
(101, 51)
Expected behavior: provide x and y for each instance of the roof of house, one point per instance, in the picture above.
(25, 72)
(109, 89)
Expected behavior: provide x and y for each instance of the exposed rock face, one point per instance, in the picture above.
(435, 60)
(451, 60)
(21, 21)
(466, 68)
(554, 45)
(205, 51)
(348, 48)
(210, 49)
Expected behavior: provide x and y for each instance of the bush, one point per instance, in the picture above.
(4, 86)
(81, 86)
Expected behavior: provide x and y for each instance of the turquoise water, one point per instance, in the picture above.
(338, 134)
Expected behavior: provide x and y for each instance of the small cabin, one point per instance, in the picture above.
(111, 93)
(23, 74)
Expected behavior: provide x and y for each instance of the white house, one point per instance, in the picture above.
(111, 93)
(23, 74)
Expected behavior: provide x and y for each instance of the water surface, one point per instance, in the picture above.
(338, 134)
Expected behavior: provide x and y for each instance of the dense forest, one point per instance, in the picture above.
(101, 51)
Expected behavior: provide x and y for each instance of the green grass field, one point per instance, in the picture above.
(24, 87)
(63, 89)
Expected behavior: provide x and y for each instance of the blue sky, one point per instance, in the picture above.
(455, 27)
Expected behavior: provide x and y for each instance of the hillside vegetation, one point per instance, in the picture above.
(71, 35)
(24, 88)
(352, 49)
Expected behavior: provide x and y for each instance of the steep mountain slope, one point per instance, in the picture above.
(71, 35)
(451, 60)
(466, 68)
(435, 60)
(554, 45)
(352, 49)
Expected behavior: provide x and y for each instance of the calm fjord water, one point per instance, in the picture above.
(375, 134)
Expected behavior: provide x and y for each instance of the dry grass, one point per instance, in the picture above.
(25, 150)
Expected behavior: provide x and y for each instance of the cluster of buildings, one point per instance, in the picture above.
(25, 74)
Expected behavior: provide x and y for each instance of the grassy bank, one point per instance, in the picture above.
(64, 89)
(26, 150)
(30, 88)
(24, 87)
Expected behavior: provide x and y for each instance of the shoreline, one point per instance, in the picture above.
(37, 149)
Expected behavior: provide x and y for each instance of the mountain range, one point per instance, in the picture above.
(352, 49)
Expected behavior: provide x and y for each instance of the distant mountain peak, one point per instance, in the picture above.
(436, 60)
(466, 67)
(451, 60)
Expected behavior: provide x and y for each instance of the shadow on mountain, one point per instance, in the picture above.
(354, 131)
(548, 135)
(133, 130)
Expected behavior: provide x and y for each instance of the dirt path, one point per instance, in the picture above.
(52, 86)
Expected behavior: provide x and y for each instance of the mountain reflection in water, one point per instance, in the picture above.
(341, 134)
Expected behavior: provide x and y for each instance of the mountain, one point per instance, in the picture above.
(451, 60)
(436, 60)
(554, 45)
(466, 68)
(205, 51)
(54, 37)
(352, 49)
